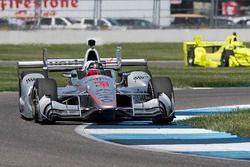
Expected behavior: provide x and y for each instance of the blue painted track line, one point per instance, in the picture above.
(179, 141)
(215, 135)
(212, 110)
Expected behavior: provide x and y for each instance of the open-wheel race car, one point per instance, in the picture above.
(98, 90)
(230, 53)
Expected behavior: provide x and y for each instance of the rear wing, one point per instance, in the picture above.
(198, 43)
(187, 45)
(70, 64)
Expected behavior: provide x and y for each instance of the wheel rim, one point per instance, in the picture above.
(35, 105)
(150, 89)
(163, 109)
(190, 60)
(223, 61)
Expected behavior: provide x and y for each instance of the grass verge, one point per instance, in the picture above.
(149, 51)
(181, 77)
(205, 77)
(237, 123)
(8, 75)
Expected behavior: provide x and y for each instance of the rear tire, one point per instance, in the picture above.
(22, 75)
(42, 87)
(163, 85)
(191, 57)
(225, 58)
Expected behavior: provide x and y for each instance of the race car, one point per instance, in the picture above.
(98, 90)
(230, 53)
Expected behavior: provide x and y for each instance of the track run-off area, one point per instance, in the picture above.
(25, 143)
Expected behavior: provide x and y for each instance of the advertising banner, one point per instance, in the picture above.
(29, 8)
(230, 8)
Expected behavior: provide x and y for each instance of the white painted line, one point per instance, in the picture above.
(202, 88)
(166, 131)
(200, 147)
(183, 117)
(232, 107)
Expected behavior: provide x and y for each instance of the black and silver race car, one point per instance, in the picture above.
(98, 90)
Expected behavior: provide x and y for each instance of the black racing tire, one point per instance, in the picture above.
(42, 87)
(46, 87)
(22, 75)
(191, 57)
(25, 118)
(163, 85)
(225, 57)
(160, 120)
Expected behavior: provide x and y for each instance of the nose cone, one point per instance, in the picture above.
(103, 91)
(104, 98)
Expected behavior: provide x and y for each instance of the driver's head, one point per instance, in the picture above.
(93, 68)
(95, 65)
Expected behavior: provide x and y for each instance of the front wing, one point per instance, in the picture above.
(52, 110)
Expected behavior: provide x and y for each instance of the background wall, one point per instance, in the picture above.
(115, 36)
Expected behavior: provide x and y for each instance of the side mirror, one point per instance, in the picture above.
(118, 55)
(69, 75)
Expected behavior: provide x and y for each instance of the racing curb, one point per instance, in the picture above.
(174, 138)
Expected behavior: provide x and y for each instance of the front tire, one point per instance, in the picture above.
(225, 58)
(42, 87)
(163, 85)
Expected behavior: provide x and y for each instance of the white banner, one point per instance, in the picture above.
(83, 9)
(16, 8)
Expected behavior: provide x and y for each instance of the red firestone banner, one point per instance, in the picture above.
(28, 4)
(14, 8)
(78, 9)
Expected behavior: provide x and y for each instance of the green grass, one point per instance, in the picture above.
(180, 76)
(34, 52)
(205, 77)
(237, 123)
(149, 51)
(8, 75)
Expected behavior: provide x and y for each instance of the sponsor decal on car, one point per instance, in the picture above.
(30, 80)
(101, 84)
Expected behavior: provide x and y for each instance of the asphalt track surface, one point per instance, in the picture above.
(24, 143)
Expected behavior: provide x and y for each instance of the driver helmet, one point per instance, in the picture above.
(93, 68)
(95, 65)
